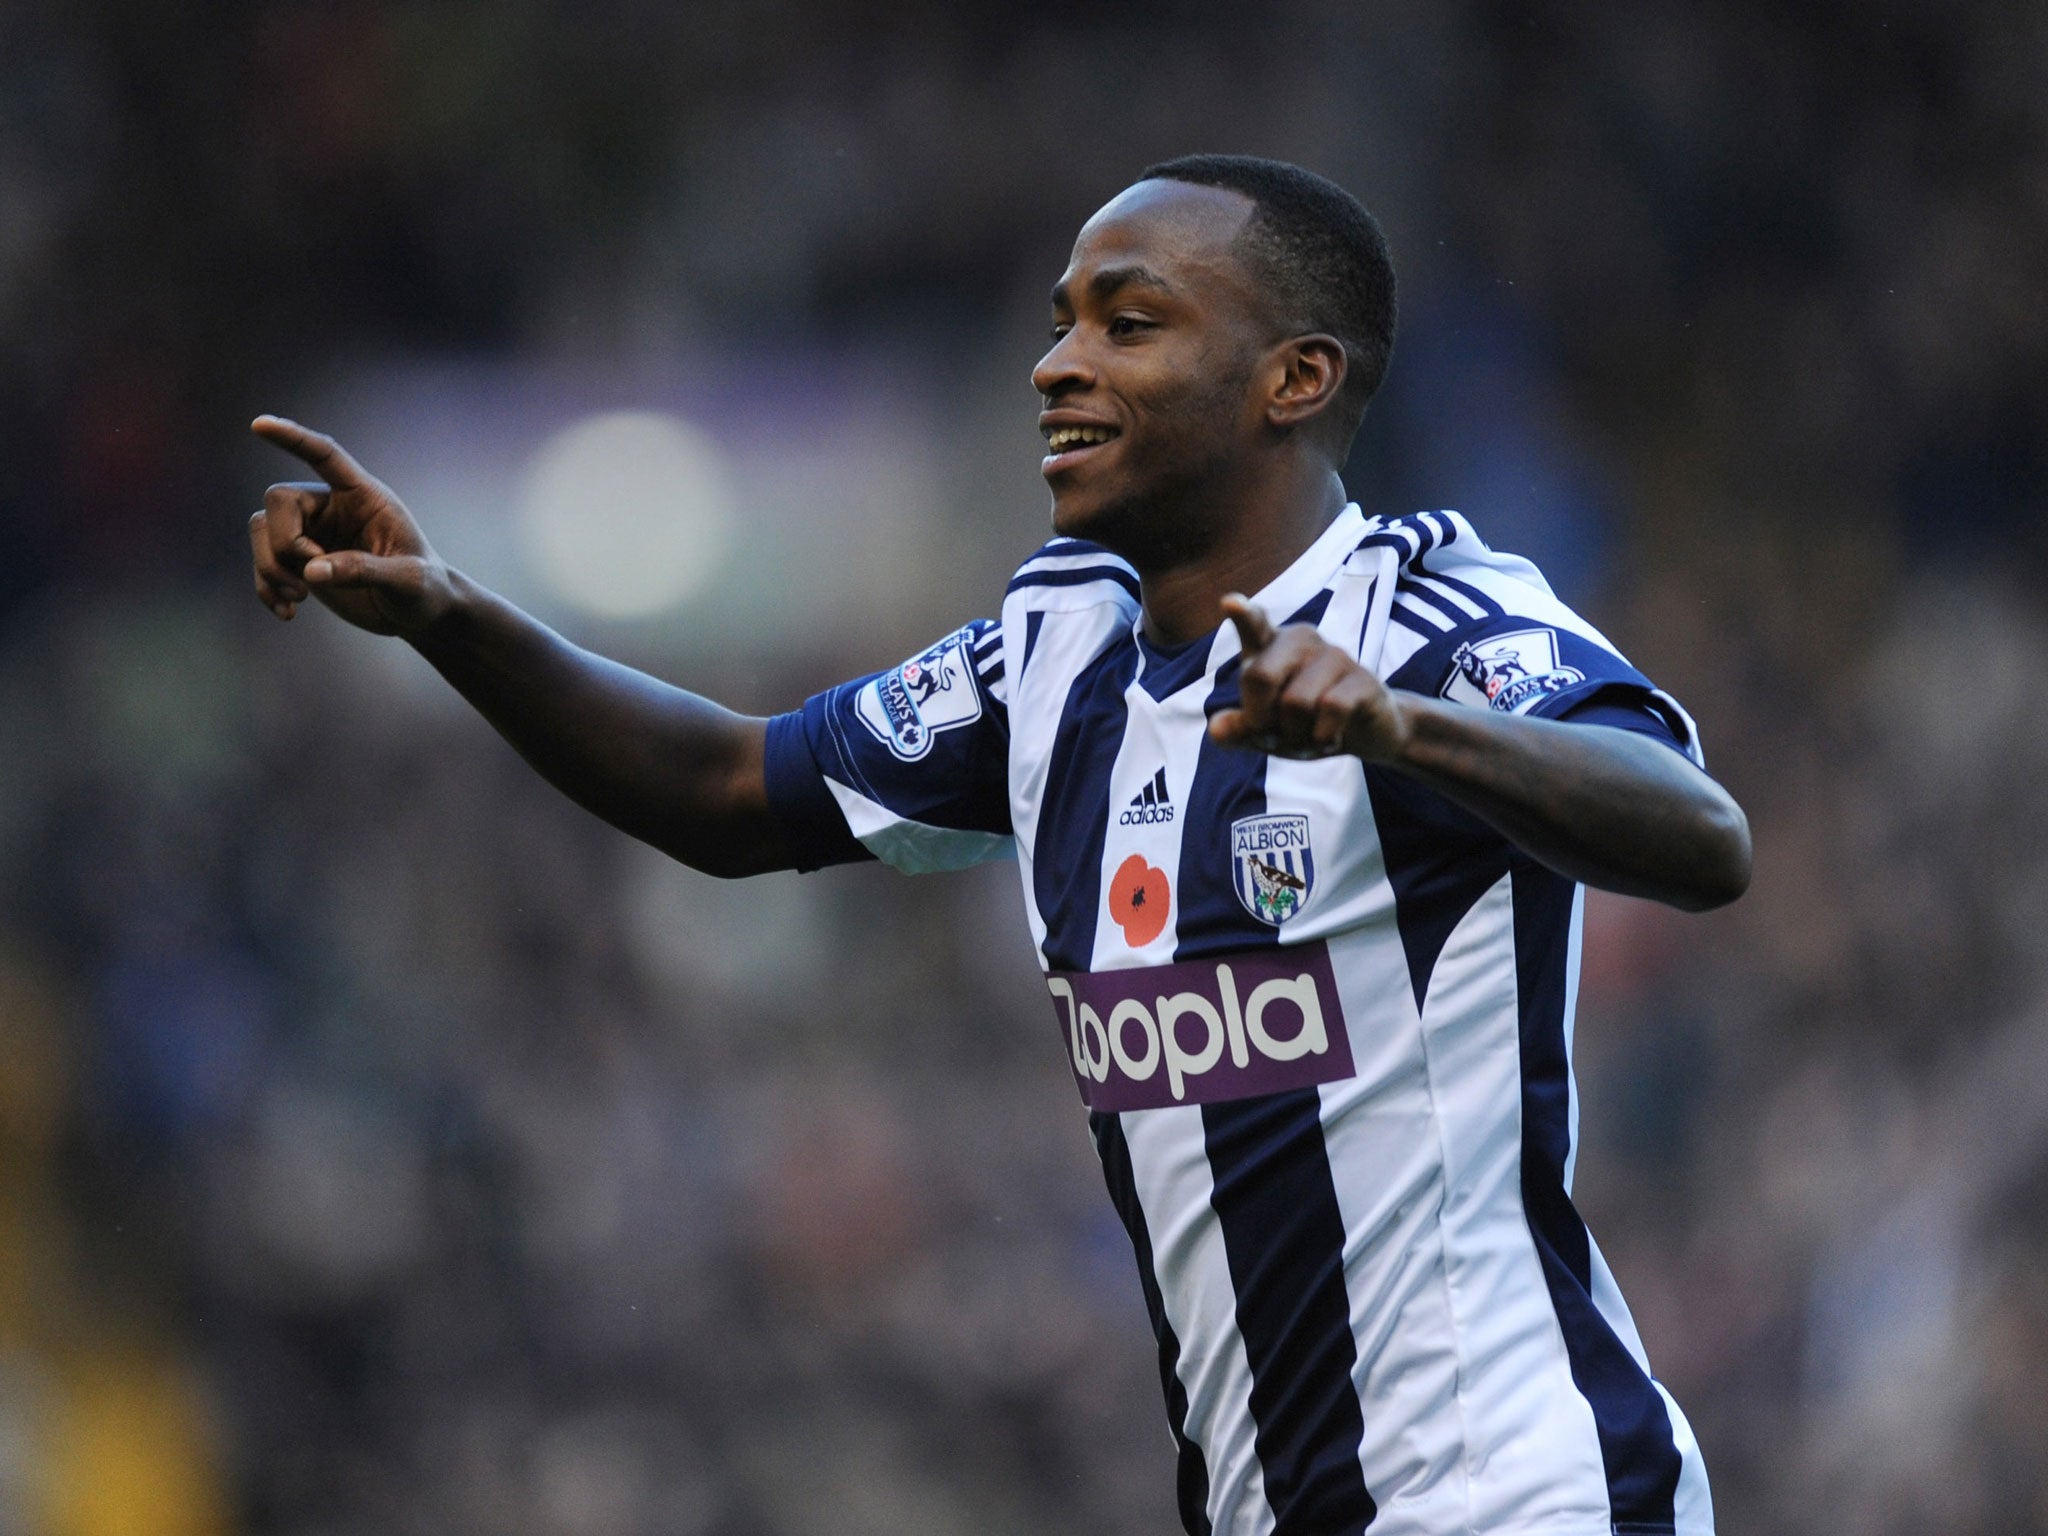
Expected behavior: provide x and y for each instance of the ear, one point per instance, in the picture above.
(1307, 372)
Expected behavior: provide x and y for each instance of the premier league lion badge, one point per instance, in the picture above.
(1275, 871)
(1511, 672)
(933, 691)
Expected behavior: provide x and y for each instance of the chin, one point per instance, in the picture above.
(1090, 518)
(1151, 532)
(1073, 517)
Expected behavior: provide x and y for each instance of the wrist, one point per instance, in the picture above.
(453, 617)
(1385, 735)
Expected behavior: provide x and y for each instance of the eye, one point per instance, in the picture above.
(1128, 325)
(1060, 328)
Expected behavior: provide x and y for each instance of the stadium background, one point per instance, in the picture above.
(384, 1146)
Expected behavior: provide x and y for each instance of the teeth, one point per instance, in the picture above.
(1060, 439)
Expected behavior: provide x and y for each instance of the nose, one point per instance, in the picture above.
(1063, 369)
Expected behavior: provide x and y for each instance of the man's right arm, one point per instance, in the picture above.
(675, 770)
(672, 769)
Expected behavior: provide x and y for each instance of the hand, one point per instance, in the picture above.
(345, 539)
(1300, 696)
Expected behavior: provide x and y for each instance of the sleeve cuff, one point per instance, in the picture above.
(1625, 707)
(809, 818)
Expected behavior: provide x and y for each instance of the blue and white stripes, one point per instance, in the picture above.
(1375, 1306)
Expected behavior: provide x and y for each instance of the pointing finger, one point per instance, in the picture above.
(1254, 630)
(319, 452)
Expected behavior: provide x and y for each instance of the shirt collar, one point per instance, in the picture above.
(1302, 580)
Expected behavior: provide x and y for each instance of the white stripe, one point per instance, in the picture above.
(1575, 944)
(1429, 606)
(1349, 613)
(1169, 1147)
(1039, 565)
(1158, 737)
(1379, 614)
(1694, 748)
(1447, 594)
(1427, 616)
(1387, 1179)
(1540, 1466)
(1038, 697)
(912, 846)
(1170, 1166)
(1462, 531)
(1692, 1506)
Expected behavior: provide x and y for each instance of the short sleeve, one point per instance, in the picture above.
(1625, 710)
(910, 766)
(1481, 628)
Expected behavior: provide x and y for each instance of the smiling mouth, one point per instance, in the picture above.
(1064, 444)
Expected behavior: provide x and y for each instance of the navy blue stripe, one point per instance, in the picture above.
(1636, 1444)
(1626, 708)
(1034, 621)
(1077, 577)
(1168, 670)
(1445, 530)
(1274, 1196)
(1229, 784)
(1283, 1235)
(1073, 817)
(1425, 534)
(1407, 620)
(992, 673)
(1439, 860)
(1428, 602)
(1486, 605)
(1191, 1480)
(1390, 540)
(1312, 611)
(1069, 546)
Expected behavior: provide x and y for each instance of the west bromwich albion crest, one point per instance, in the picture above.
(933, 691)
(1272, 866)
(1509, 672)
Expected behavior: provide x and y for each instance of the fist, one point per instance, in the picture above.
(1302, 697)
(344, 538)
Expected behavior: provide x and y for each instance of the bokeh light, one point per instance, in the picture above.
(627, 514)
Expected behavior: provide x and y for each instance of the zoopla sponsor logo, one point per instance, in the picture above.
(1203, 1031)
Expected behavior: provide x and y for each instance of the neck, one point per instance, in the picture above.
(1266, 534)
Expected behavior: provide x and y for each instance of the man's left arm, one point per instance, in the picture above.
(1608, 807)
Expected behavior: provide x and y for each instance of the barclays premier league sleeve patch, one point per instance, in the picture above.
(932, 692)
(1512, 672)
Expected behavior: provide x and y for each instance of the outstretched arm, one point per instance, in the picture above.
(666, 766)
(1599, 805)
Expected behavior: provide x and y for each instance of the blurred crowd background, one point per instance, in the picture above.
(387, 1147)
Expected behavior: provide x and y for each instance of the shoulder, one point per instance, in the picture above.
(1072, 569)
(1481, 626)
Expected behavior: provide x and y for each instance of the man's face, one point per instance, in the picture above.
(1148, 388)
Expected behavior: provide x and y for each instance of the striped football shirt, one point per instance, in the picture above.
(1321, 1022)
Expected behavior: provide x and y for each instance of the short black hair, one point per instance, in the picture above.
(1323, 254)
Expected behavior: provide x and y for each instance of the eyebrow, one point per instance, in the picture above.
(1110, 280)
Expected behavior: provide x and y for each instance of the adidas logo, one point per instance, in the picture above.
(1150, 804)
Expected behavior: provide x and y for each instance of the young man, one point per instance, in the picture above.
(1306, 883)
